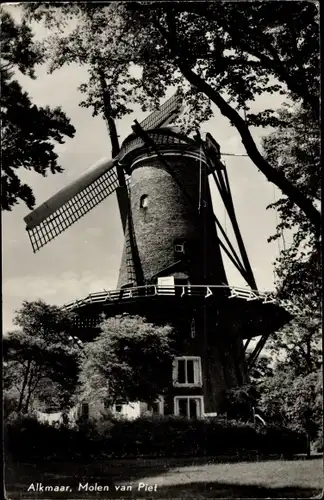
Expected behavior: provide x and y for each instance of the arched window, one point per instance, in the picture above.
(144, 201)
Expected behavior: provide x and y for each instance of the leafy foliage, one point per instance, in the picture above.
(260, 369)
(28, 132)
(240, 402)
(215, 57)
(225, 53)
(297, 348)
(91, 44)
(294, 401)
(292, 394)
(290, 386)
(130, 360)
(17, 46)
(296, 150)
(245, 49)
(40, 358)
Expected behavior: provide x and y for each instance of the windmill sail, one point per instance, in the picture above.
(67, 206)
(165, 114)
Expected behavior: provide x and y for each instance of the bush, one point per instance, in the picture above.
(318, 444)
(146, 437)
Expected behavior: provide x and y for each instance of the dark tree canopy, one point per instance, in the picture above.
(28, 132)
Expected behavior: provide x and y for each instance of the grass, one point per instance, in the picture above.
(269, 478)
(274, 479)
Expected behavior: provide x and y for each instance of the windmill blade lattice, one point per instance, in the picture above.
(54, 216)
(57, 214)
(165, 114)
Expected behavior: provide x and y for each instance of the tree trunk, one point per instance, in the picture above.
(308, 354)
(34, 377)
(273, 175)
(29, 392)
(276, 177)
(115, 148)
(108, 115)
(24, 384)
(308, 445)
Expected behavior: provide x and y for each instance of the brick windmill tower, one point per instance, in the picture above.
(171, 267)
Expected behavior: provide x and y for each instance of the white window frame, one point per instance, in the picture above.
(179, 248)
(197, 371)
(176, 405)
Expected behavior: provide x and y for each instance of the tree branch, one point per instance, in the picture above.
(24, 384)
(301, 89)
(273, 175)
(274, 64)
(6, 67)
(108, 114)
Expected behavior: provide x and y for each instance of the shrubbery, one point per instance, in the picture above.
(145, 437)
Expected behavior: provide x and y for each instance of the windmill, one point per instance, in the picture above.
(171, 267)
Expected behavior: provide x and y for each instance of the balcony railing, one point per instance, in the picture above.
(182, 291)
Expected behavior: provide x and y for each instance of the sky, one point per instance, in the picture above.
(86, 257)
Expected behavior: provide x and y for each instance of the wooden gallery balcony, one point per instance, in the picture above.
(258, 312)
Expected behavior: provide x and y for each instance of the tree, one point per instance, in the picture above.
(40, 357)
(237, 49)
(297, 347)
(90, 44)
(130, 360)
(28, 132)
(295, 148)
(294, 401)
(261, 369)
(240, 401)
(305, 405)
(291, 392)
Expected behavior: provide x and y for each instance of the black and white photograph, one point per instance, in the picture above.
(161, 250)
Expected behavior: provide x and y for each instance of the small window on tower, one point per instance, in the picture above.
(179, 248)
(144, 201)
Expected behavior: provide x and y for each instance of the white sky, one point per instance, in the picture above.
(86, 257)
